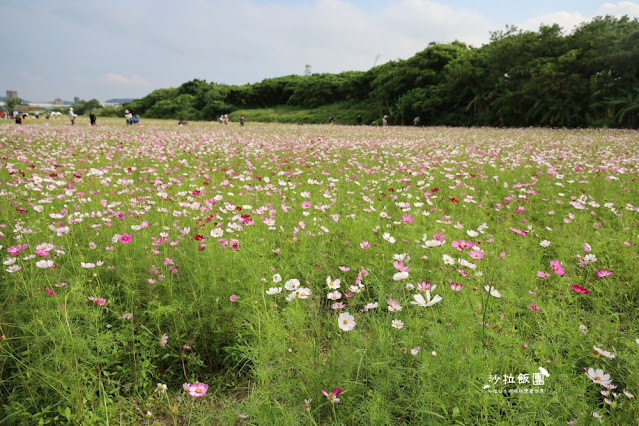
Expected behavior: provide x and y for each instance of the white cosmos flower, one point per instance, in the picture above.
(599, 351)
(291, 296)
(292, 284)
(332, 284)
(419, 299)
(387, 236)
(398, 324)
(10, 261)
(87, 265)
(544, 243)
(303, 292)
(217, 232)
(334, 295)
(45, 264)
(274, 290)
(346, 321)
(472, 233)
(493, 291)
(448, 260)
(399, 276)
(15, 268)
(599, 376)
(277, 278)
(583, 329)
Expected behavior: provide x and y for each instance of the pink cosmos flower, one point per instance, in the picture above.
(461, 244)
(344, 268)
(580, 289)
(50, 292)
(42, 252)
(456, 286)
(476, 254)
(400, 266)
(587, 247)
(534, 308)
(235, 245)
(438, 236)
(332, 396)
(517, 231)
(558, 267)
(407, 219)
(99, 301)
(365, 245)
(197, 390)
(15, 250)
(164, 340)
(233, 298)
(542, 274)
(604, 273)
(125, 238)
(306, 204)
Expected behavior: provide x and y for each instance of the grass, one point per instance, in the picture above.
(185, 194)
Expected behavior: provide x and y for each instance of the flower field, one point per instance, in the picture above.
(274, 274)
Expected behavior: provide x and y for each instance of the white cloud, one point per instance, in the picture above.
(619, 9)
(570, 20)
(134, 80)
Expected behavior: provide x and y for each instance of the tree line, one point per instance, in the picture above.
(587, 78)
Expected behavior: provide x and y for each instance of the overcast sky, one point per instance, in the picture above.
(126, 48)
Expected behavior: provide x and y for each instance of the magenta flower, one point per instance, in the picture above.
(456, 286)
(233, 298)
(99, 301)
(517, 231)
(197, 390)
(438, 236)
(534, 308)
(580, 289)
(125, 238)
(332, 396)
(604, 273)
(235, 245)
(461, 244)
(164, 340)
(50, 292)
(558, 267)
(408, 219)
(587, 247)
(15, 250)
(542, 274)
(306, 205)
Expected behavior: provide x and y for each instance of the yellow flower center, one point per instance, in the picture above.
(597, 378)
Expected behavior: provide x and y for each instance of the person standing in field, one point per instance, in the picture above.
(331, 119)
(92, 117)
(242, 120)
(72, 116)
(359, 119)
(385, 120)
(416, 121)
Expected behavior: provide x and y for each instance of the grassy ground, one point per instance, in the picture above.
(140, 259)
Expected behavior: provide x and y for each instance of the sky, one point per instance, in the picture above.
(128, 48)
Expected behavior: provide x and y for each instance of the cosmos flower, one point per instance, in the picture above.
(580, 289)
(598, 351)
(420, 301)
(197, 390)
(604, 273)
(346, 321)
(599, 376)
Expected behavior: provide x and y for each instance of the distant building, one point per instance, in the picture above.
(307, 70)
(76, 100)
(12, 94)
(58, 101)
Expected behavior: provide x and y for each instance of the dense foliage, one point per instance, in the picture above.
(521, 78)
